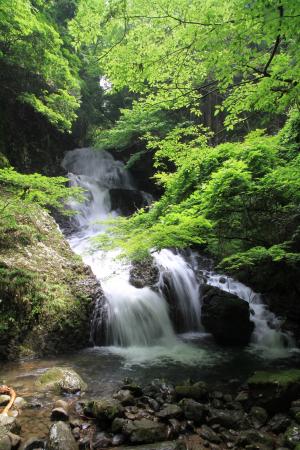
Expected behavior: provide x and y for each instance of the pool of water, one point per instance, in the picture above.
(195, 357)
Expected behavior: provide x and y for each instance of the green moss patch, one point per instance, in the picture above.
(282, 378)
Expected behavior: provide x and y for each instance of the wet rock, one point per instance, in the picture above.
(226, 316)
(106, 409)
(175, 426)
(225, 418)
(118, 439)
(144, 273)
(250, 437)
(84, 443)
(33, 444)
(193, 410)
(20, 402)
(101, 440)
(215, 403)
(169, 412)
(5, 443)
(294, 411)
(117, 425)
(160, 389)
(34, 405)
(228, 398)
(4, 399)
(258, 416)
(208, 434)
(279, 423)
(134, 388)
(145, 431)
(153, 403)
(242, 397)
(76, 432)
(61, 437)
(61, 404)
(292, 436)
(177, 445)
(274, 391)
(15, 440)
(125, 397)
(196, 391)
(10, 424)
(59, 414)
(126, 201)
(62, 380)
(76, 423)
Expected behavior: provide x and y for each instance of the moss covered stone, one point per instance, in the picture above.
(105, 409)
(275, 390)
(282, 378)
(62, 380)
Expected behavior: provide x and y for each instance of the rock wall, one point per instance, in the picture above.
(47, 293)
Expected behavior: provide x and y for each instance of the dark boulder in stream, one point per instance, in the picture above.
(144, 273)
(126, 201)
(226, 316)
(61, 437)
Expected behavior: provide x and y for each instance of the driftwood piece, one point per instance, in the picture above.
(8, 391)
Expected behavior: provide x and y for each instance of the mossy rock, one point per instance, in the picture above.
(196, 391)
(275, 390)
(145, 431)
(292, 437)
(3, 161)
(62, 380)
(282, 378)
(105, 409)
(47, 292)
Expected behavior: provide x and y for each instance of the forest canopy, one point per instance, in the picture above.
(207, 89)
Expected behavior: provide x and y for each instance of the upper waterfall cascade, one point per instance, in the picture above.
(139, 317)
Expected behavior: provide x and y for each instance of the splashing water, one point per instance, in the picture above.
(182, 283)
(267, 335)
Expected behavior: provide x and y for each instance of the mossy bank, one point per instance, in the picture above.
(46, 291)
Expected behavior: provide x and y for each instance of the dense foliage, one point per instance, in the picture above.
(36, 65)
(159, 64)
(231, 198)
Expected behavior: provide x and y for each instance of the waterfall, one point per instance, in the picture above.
(182, 285)
(137, 320)
(267, 332)
(135, 317)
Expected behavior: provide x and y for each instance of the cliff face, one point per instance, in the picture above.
(46, 291)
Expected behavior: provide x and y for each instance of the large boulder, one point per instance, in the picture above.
(61, 437)
(193, 410)
(145, 431)
(62, 380)
(274, 391)
(144, 273)
(105, 409)
(226, 316)
(126, 201)
(45, 289)
(196, 391)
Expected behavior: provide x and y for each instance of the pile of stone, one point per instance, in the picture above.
(263, 414)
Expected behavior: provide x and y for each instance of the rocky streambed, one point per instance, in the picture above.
(263, 413)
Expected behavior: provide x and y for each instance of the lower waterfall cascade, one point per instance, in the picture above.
(138, 324)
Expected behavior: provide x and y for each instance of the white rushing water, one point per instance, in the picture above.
(138, 324)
